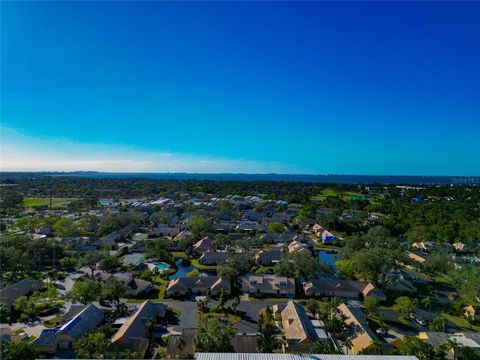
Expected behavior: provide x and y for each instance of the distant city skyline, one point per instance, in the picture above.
(374, 88)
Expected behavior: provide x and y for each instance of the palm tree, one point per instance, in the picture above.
(427, 303)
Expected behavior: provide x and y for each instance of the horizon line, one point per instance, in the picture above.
(225, 173)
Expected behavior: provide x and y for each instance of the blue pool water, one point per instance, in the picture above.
(161, 266)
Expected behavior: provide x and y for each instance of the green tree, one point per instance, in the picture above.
(22, 350)
(313, 307)
(10, 198)
(437, 324)
(92, 260)
(267, 340)
(65, 227)
(110, 264)
(92, 346)
(423, 351)
(199, 226)
(86, 291)
(371, 305)
(405, 305)
(300, 265)
(214, 335)
(276, 227)
(323, 347)
(222, 299)
(114, 290)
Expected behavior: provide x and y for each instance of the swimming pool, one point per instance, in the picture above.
(161, 266)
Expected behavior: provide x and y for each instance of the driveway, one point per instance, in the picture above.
(250, 316)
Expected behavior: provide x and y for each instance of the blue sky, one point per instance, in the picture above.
(351, 88)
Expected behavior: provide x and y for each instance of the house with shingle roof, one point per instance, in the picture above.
(269, 257)
(342, 288)
(268, 285)
(11, 293)
(133, 334)
(65, 336)
(361, 335)
(297, 327)
(296, 246)
(204, 245)
(198, 285)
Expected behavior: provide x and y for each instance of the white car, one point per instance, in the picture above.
(420, 322)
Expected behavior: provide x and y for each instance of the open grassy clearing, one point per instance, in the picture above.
(460, 322)
(56, 202)
(347, 195)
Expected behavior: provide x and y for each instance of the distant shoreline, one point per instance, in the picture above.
(327, 178)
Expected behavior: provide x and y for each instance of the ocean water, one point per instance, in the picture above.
(337, 179)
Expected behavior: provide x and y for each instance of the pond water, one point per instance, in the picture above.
(330, 257)
(104, 202)
(184, 269)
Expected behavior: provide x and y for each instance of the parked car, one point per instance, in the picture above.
(381, 331)
(420, 321)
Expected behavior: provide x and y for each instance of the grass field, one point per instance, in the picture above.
(460, 322)
(199, 266)
(56, 202)
(348, 195)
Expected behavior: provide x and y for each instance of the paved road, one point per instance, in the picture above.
(188, 317)
(250, 309)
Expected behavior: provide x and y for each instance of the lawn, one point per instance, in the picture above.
(280, 300)
(348, 195)
(53, 322)
(199, 266)
(460, 322)
(233, 319)
(56, 202)
(179, 254)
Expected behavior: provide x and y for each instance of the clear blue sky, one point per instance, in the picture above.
(352, 88)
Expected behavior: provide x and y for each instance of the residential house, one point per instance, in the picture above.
(268, 285)
(417, 256)
(187, 351)
(342, 288)
(213, 257)
(11, 293)
(182, 235)
(198, 285)
(241, 343)
(297, 327)
(64, 337)
(361, 335)
(469, 339)
(204, 245)
(296, 246)
(327, 237)
(305, 356)
(269, 257)
(133, 335)
(160, 230)
(472, 312)
(79, 244)
(135, 287)
(427, 246)
(109, 240)
(249, 226)
(317, 229)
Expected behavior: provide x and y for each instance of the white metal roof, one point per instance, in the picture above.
(253, 356)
